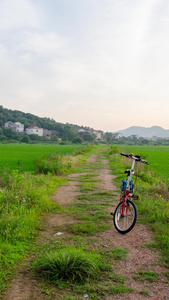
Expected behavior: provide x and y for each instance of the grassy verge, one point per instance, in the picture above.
(23, 199)
(57, 164)
(153, 204)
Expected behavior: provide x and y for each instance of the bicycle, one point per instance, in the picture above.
(125, 214)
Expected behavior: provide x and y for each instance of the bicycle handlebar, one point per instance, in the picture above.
(136, 157)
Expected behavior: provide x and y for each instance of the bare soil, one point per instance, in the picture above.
(24, 287)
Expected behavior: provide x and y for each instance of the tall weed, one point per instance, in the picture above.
(54, 164)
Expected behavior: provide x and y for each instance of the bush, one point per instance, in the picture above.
(53, 164)
(26, 139)
(77, 140)
(68, 264)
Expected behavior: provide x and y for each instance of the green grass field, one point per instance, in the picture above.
(157, 157)
(25, 197)
(14, 156)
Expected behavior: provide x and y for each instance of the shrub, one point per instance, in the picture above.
(77, 140)
(53, 164)
(68, 264)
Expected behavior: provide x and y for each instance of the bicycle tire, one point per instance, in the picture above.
(124, 224)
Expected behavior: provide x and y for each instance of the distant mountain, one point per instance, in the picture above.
(146, 132)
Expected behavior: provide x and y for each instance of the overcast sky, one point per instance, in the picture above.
(97, 63)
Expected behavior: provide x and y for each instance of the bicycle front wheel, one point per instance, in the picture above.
(124, 222)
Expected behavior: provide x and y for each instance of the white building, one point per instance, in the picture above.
(34, 130)
(98, 133)
(17, 126)
(117, 135)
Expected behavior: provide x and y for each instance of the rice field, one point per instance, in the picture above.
(14, 156)
(157, 157)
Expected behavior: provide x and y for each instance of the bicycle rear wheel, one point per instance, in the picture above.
(126, 221)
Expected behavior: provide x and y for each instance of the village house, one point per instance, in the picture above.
(34, 130)
(17, 126)
(117, 135)
(47, 132)
(98, 133)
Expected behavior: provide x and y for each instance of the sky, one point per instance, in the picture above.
(97, 63)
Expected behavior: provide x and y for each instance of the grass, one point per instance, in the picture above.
(83, 236)
(152, 245)
(55, 259)
(57, 266)
(91, 210)
(118, 253)
(146, 275)
(25, 157)
(24, 198)
(87, 228)
(157, 156)
(144, 293)
(69, 264)
(69, 297)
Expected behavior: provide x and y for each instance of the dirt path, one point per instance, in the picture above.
(24, 287)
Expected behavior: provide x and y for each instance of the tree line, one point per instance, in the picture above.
(65, 132)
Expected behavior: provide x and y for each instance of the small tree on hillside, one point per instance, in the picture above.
(89, 137)
(26, 139)
(77, 140)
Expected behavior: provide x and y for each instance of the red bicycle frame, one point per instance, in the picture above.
(126, 193)
(125, 204)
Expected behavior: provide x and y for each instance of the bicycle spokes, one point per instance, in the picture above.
(125, 216)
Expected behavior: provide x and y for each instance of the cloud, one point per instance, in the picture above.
(85, 61)
(18, 13)
(45, 44)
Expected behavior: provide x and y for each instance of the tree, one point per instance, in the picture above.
(88, 137)
(54, 138)
(69, 133)
(10, 134)
(77, 140)
(26, 139)
(108, 139)
(34, 137)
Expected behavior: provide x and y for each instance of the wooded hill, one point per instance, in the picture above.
(64, 131)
